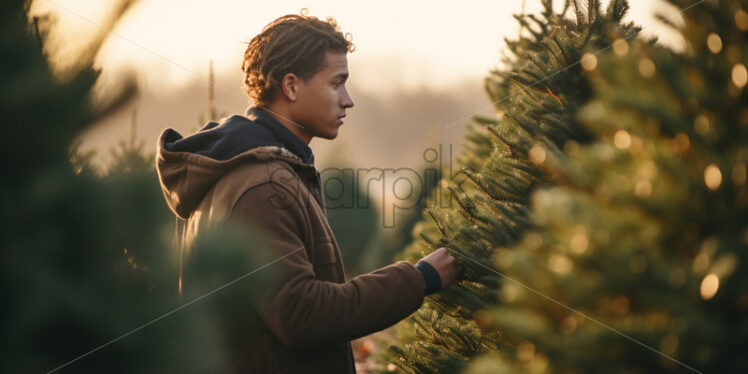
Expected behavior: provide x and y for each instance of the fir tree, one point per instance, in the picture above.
(85, 261)
(645, 241)
(537, 96)
(352, 215)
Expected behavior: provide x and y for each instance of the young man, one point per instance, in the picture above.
(259, 170)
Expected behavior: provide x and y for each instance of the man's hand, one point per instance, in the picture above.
(444, 264)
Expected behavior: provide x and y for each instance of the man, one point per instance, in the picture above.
(259, 170)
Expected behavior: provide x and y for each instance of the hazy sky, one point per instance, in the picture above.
(414, 42)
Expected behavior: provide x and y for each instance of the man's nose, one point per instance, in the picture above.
(347, 100)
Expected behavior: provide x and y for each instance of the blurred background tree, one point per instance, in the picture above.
(537, 96)
(351, 214)
(366, 242)
(647, 234)
(391, 241)
(85, 259)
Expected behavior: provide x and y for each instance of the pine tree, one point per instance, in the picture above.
(84, 261)
(537, 96)
(645, 241)
(351, 213)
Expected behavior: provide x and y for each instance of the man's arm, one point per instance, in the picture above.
(305, 312)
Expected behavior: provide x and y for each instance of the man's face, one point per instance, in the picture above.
(321, 102)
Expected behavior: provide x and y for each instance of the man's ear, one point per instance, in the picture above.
(289, 86)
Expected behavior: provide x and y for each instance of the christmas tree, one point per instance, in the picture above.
(352, 215)
(638, 263)
(88, 280)
(537, 96)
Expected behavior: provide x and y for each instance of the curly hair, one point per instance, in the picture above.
(294, 44)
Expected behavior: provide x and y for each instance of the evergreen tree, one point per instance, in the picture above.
(537, 96)
(352, 216)
(85, 261)
(645, 241)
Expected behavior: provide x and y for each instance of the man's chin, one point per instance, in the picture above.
(330, 135)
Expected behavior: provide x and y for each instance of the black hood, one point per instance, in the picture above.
(237, 134)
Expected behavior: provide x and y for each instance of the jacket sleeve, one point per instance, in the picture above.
(306, 312)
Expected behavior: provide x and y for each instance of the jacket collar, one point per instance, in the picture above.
(292, 142)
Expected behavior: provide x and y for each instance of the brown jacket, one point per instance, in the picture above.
(305, 323)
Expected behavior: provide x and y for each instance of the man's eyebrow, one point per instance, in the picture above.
(341, 75)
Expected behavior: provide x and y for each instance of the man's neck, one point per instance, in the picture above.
(282, 115)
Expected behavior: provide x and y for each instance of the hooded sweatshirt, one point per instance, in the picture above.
(252, 170)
